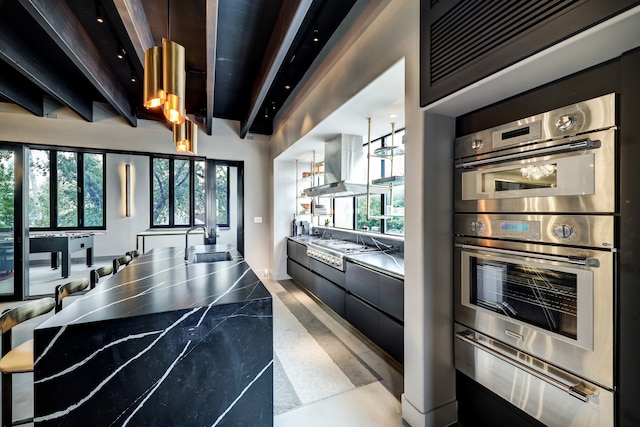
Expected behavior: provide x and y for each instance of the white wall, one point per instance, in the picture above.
(111, 132)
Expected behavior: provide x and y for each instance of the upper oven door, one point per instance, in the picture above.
(552, 302)
(575, 174)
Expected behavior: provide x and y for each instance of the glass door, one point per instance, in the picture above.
(8, 248)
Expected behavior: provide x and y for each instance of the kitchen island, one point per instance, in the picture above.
(160, 343)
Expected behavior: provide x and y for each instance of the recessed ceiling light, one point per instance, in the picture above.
(393, 116)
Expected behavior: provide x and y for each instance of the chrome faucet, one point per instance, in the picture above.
(186, 239)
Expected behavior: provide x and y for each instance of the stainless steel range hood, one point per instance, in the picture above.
(345, 168)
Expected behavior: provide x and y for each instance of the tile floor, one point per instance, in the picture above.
(324, 372)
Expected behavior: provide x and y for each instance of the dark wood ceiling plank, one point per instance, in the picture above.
(135, 22)
(18, 90)
(19, 56)
(65, 30)
(212, 31)
(290, 18)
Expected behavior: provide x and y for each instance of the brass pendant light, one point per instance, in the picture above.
(152, 91)
(165, 77)
(185, 136)
(174, 80)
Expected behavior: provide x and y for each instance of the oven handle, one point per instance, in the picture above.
(571, 146)
(578, 390)
(587, 262)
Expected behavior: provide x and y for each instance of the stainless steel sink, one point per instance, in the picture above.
(199, 257)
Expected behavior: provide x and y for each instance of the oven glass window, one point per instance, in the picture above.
(528, 177)
(540, 297)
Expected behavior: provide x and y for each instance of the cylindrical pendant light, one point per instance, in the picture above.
(174, 80)
(185, 136)
(192, 137)
(153, 93)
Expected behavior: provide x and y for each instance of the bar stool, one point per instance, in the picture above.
(63, 291)
(19, 359)
(122, 261)
(133, 254)
(95, 275)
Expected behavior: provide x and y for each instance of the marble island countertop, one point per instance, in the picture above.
(161, 281)
(391, 263)
(161, 342)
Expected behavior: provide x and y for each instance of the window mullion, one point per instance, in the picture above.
(171, 193)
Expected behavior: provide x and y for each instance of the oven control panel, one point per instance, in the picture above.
(582, 230)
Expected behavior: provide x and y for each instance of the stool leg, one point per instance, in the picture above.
(7, 400)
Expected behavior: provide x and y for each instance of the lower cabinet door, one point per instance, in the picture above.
(298, 273)
(391, 337)
(328, 293)
(363, 317)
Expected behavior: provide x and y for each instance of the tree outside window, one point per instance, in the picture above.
(68, 192)
(178, 192)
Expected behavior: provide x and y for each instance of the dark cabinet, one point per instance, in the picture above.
(375, 305)
(327, 292)
(297, 252)
(384, 331)
(463, 41)
(372, 302)
(384, 292)
(298, 272)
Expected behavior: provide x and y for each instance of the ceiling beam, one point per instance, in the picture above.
(18, 90)
(290, 18)
(136, 25)
(59, 22)
(16, 53)
(211, 35)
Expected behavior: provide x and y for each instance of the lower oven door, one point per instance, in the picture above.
(554, 397)
(555, 305)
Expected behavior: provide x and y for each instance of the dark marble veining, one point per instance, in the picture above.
(160, 343)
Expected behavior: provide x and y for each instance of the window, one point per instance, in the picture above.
(385, 211)
(66, 189)
(178, 192)
(222, 196)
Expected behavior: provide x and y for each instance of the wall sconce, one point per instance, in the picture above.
(127, 189)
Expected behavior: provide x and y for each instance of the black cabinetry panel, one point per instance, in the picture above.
(463, 41)
(384, 292)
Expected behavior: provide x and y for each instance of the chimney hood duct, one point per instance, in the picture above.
(345, 168)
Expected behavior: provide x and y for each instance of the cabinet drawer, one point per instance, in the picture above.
(391, 293)
(363, 317)
(328, 293)
(363, 282)
(391, 337)
(298, 272)
(297, 252)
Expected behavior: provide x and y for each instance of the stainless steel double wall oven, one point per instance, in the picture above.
(535, 240)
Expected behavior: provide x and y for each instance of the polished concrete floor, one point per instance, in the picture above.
(325, 373)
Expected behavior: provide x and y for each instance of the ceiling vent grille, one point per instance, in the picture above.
(472, 29)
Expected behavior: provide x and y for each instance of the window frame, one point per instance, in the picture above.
(53, 188)
(228, 223)
(171, 192)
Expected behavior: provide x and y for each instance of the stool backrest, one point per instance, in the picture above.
(63, 291)
(21, 313)
(95, 275)
(118, 262)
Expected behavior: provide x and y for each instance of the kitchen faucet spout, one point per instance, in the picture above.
(186, 239)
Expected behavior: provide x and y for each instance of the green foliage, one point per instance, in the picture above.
(222, 196)
(39, 183)
(6, 189)
(67, 189)
(160, 192)
(93, 190)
